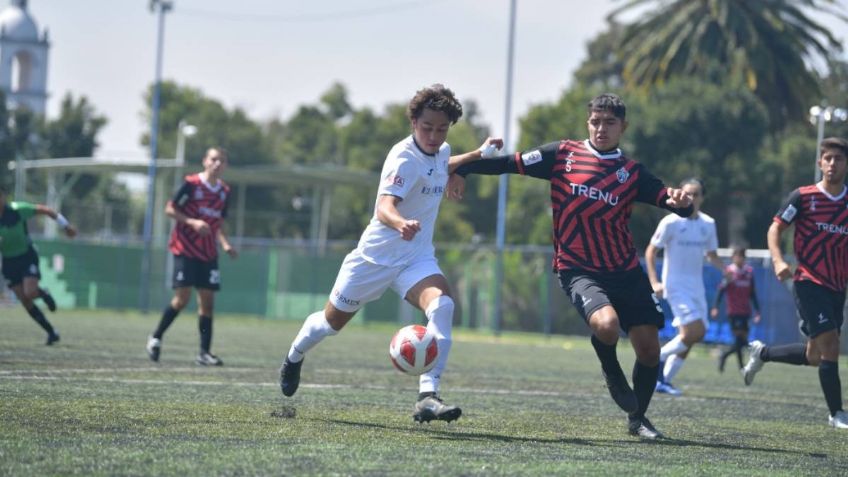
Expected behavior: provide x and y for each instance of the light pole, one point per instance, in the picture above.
(818, 116)
(503, 182)
(144, 290)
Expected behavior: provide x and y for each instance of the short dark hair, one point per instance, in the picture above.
(436, 97)
(697, 182)
(834, 143)
(608, 102)
(738, 250)
(220, 151)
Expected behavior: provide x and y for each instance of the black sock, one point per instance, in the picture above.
(168, 317)
(425, 395)
(832, 387)
(740, 343)
(39, 318)
(204, 324)
(795, 353)
(606, 354)
(644, 382)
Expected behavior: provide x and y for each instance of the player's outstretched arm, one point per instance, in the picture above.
(781, 268)
(488, 149)
(679, 201)
(60, 219)
(388, 214)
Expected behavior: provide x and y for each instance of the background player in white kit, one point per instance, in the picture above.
(685, 241)
(396, 249)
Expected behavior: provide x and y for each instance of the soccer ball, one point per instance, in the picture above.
(414, 350)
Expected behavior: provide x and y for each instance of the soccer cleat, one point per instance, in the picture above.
(755, 362)
(154, 347)
(721, 361)
(208, 359)
(433, 408)
(48, 299)
(838, 420)
(667, 388)
(52, 338)
(621, 392)
(642, 427)
(290, 377)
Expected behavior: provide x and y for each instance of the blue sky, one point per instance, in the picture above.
(270, 56)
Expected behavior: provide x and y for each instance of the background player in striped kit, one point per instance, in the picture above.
(593, 189)
(741, 301)
(199, 208)
(820, 215)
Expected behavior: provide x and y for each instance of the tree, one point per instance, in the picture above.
(767, 46)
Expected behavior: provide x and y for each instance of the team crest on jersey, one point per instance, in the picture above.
(198, 194)
(813, 203)
(532, 157)
(622, 175)
(223, 196)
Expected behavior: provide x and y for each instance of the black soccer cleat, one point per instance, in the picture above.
(48, 300)
(641, 427)
(52, 338)
(432, 408)
(290, 377)
(621, 392)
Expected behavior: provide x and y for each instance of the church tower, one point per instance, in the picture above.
(23, 59)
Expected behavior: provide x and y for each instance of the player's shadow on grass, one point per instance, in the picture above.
(449, 434)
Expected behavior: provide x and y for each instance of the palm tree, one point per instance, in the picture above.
(771, 46)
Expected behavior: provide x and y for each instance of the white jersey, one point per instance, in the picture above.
(685, 241)
(419, 179)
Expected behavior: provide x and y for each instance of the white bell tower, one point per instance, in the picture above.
(23, 59)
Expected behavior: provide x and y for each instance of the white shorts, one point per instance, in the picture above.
(360, 281)
(688, 308)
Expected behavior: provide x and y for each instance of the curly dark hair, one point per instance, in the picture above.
(608, 102)
(438, 98)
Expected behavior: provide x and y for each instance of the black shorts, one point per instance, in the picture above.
(738, 322)
(193, 272)
(819, 308)
(629, 292)
(15, 269)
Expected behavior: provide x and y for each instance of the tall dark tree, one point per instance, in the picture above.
(767, 45)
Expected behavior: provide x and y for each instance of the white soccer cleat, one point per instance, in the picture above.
(755, 362)
(839, 421)
(153, 348)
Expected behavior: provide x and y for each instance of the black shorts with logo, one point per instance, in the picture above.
(738, 322)
(819, 308)
(193, 272)
(15, 269)
(629, 292)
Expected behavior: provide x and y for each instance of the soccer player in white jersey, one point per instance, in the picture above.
(685, 240)
(396, 249)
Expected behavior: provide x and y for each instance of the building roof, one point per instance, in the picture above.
(17, 24)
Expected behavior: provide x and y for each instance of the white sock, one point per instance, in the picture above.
(672, 366)
(440, 322)
(675, 346)
(314, 329)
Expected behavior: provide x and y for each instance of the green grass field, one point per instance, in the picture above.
(95, 405)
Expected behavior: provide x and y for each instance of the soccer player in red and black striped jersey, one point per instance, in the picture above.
(741, 301)
(820, 215)
(199, 208)
(593, 189)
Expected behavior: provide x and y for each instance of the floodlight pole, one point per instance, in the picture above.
(819, 115)
(144, 290)
(503, 182)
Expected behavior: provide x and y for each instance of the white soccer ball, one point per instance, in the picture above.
(414, 350)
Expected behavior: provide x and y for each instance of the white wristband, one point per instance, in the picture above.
(62, 221)
(488, 150)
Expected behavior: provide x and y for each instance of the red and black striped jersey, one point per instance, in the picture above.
(821, 235)
(199, 200)
(592, 196)
(739, 289)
